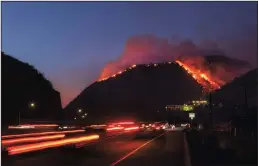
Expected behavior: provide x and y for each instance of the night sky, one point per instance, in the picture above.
(70, 42)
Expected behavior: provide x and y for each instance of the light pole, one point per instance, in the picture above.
(31, 105)
(210, 106)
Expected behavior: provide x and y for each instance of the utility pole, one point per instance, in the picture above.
(210, 106)
(19, 118)
(245, 95)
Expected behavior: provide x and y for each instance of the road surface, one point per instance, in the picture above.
(125, 150)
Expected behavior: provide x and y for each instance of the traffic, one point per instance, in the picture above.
(79, 136)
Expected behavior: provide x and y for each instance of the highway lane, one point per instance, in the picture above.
(166, 150)
(120, 150)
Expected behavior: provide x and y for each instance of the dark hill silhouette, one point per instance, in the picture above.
(139, 92)
(22, 84)
(237, 102)
(233, 93)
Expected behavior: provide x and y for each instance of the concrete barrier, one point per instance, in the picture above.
(187, 153)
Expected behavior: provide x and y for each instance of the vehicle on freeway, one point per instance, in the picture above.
(67, 127)
(122, 126)
(159, 126)
(147, 129)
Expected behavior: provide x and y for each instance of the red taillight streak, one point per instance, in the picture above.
(131, 128)
(115, 128)
(42, 133)
(49, 144)
(31, 139)
(121, 123)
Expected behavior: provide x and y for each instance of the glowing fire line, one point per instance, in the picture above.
(199, 76)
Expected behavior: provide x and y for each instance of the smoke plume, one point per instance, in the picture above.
(146, 49)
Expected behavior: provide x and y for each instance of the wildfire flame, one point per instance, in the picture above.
(116, 74)
(201, 77)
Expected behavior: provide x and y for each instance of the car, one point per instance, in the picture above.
(148, 129)
(159, 126)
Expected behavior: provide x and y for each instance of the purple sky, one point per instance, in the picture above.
(70, 42)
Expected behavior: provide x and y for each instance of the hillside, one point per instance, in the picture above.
(234, 94)
(139, 92)
(238, 102)
(23, 84)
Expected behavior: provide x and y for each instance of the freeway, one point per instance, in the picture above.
(163, 148)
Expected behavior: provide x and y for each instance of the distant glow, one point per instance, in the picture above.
(80, 110)
(31, 139)
(187, 107)
(49, 144)
(42, 133)
(200, 102)
(75, 118)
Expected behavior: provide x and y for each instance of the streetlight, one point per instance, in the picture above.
(74, 118)
(80, 110)
(32, 104)
(83, 116)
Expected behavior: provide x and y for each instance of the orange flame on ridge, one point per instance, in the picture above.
(202, 78)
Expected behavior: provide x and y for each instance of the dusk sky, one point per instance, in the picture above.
(70, 42)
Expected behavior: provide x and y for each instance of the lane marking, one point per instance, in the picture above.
(134, 151)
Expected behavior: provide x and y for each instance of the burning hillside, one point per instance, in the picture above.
(201, 77)
(211, 72)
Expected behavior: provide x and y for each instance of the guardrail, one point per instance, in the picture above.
(187, 153)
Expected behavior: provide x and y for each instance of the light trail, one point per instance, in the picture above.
(31, 139)
(31, 126)
(131, 128)
(115, 128)
(49, 144)
(42, 133)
